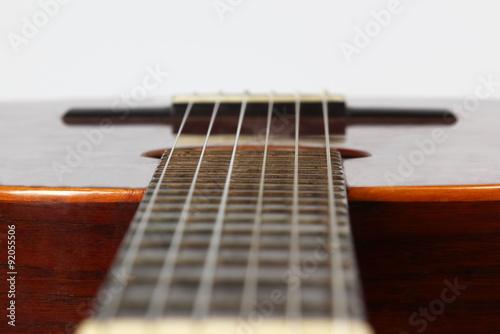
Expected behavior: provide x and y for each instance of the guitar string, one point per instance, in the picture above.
(339, 293)
(133, 249)
(203, 295)
(338, 286)
(251, 278)
(160, 295)
(293, 306)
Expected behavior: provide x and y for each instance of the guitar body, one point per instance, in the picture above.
(424, 207)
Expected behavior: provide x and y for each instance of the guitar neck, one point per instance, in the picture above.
(239, 239)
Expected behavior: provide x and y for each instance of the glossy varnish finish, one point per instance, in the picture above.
(405, 251)
(63, 252)
(33, 138)
(70, 195)
(409, 239)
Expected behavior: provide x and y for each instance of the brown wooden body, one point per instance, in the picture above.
(408, 240)
(402, 269)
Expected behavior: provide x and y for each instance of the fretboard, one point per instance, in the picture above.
(239, 239)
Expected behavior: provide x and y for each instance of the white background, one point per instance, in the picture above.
(96, 48)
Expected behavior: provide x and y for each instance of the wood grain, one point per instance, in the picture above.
(63, 251)
(408, 240)
(405, 251)
(466, 157)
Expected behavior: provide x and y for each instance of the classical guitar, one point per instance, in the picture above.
(263, 214)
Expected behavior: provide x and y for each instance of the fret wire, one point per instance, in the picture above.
(339, 293)
(293, 306)
(127, 263)
(251, 279)
(203, 295)
(160, 295)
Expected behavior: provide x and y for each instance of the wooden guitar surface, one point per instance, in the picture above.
(424, 206)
